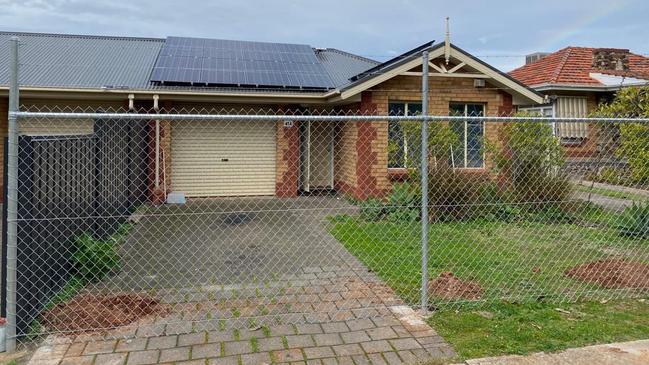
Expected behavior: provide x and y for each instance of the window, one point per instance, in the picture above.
(402, 142)
(546, 111)
(469, 152)
(571, 107)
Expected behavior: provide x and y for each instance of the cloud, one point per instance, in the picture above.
(378, 29)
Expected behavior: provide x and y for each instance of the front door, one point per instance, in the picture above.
(316, 155)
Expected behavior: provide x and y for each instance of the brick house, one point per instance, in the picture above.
(577, 79)
(260, 158)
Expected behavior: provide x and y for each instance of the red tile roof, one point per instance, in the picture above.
(572, 66)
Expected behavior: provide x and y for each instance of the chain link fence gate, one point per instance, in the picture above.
(298, 218)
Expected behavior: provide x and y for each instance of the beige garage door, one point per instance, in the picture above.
(223, 159)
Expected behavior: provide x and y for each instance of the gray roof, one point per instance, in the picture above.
(82, 61)
(341, 65)
(55, 60)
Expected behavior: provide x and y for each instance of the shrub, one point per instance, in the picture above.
(635, 221)
(372, 209)
(404, 203)
(529, 159)
(633, 144)
(94, 258)
(456, 194)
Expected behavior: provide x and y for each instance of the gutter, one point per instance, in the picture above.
(277, 95)
(568, 87)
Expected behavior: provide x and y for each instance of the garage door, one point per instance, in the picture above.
(223, 158)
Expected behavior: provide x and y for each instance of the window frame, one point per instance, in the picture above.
(466, 129)
(406, 113)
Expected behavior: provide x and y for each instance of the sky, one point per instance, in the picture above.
(500, 32)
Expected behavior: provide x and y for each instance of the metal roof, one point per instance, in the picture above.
(79, 61)
(341, 65)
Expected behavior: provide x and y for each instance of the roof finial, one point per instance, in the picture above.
(447, 43)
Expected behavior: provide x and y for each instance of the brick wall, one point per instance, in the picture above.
(165, 185)
(345, 156)
(372, 162)
(287, 160)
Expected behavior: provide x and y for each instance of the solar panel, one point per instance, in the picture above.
(226, 62)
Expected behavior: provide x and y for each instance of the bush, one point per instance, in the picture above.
(372, 209)
(404, 203)
(456, 194)
(529, 159)
(635, 221)
(93, 258)
(633, 144)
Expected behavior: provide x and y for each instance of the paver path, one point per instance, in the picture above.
(396, 337)
(251, 281)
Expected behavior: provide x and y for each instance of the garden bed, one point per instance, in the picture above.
(91, 312)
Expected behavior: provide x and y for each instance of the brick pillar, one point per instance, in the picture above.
(288, 160)
(371, 154)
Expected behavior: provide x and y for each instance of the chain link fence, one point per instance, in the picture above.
(202, 219)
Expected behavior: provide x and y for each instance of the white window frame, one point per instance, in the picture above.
(466, 129)
(406, 112)
(542, 111)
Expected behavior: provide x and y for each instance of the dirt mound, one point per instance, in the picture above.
(88, 312)
(612, 273)
(447, 286)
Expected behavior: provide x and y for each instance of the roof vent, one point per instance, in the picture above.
(533, 57)
(611, 59)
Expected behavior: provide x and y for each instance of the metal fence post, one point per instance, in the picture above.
(12, 196)
(424, 183)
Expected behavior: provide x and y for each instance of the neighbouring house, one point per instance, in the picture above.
(260, 158)
(576, 80)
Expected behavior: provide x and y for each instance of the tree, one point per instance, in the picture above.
(629, 141)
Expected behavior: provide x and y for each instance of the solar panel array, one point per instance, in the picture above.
(225, 62)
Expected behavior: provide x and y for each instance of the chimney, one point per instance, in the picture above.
(611, 59)
(533, 57)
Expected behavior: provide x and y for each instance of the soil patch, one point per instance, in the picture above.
(90, 312)
(612, 273)
(447, 286)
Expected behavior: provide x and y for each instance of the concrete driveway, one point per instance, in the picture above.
(231, 241)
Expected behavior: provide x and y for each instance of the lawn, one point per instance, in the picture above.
(521, 260)
(520, 265)
(521, 329)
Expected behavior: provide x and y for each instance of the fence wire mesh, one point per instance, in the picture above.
(211, 219)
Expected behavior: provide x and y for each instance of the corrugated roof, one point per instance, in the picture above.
(55, 60)
(573, 66)
(83, 61)
(342, 66)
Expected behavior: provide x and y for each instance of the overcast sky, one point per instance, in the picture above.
(498, 31)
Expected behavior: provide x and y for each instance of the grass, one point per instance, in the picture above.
(514, 260)
(527, 328)
(520, 265)
(616, 194)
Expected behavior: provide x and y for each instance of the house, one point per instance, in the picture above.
(60, 71)
(578, 79)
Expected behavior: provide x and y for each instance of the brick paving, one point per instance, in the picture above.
(343, 317)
